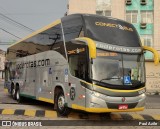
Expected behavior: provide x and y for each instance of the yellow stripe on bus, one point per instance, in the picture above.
(102, 110)
(112, 89)
(45, 100)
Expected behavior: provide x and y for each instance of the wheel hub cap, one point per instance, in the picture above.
(61, 102)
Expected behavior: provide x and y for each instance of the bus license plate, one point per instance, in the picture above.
(123, 107)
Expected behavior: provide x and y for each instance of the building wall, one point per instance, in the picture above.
(149, 30)
(118, 9)
(157, 25)
(152, 77)
(82, 6)
(2, 62)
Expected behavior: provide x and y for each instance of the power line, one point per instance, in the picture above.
(10, 33)
(17, 23)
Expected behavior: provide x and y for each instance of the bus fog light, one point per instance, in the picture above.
(143, 95)
(96, 94)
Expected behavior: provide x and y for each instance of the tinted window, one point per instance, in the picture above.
(111, 31)
(77, 57)
(50, 39)
(72, 26)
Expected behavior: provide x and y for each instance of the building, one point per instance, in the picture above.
(143, 14)
(2, 61)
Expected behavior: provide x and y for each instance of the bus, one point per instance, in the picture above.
(81, 61)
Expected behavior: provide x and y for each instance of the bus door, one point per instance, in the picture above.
(78, 70)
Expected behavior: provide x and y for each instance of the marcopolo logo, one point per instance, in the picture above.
(30, 64)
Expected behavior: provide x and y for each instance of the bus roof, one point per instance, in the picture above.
(58, 22)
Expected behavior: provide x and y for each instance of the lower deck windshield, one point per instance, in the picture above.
(118, 70)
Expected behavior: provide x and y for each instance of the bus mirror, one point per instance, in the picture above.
(91, 45)
(91, 60)
(155, 53)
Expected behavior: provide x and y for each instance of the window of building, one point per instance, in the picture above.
(107, 13)
(148, 40)
(104, 12)
(102, 2)
(132, 16)
(146, 17)
(103, 7)
(99, 13)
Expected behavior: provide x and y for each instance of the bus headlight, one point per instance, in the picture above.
(96, 94)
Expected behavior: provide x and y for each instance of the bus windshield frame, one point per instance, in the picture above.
(118, 70)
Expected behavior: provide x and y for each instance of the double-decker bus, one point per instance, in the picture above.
(82, 61)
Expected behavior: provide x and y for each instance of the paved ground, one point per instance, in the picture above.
(35, 110)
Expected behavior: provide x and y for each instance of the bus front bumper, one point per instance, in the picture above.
(100, 103)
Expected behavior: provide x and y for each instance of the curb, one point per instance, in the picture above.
(79, 116)
(33, 113)
(153, 93)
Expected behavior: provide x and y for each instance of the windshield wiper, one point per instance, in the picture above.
(109, 78)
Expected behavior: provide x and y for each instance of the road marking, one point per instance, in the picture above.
(40, 113)
(19, 112)
(50, 114)
(30, 112)
(147, 117)
(137, 117)
(78, 116)
(156, 117)
(8, 111)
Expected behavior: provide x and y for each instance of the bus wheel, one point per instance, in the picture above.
(18, 97)
(13, 93)
(60, 102)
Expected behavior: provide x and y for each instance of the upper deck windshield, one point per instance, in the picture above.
(111, 31)
(118, 71)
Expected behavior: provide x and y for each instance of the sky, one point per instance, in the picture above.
(34, 14)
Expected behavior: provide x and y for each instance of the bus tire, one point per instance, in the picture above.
(18, 97)
(60, 103)
(13, 92)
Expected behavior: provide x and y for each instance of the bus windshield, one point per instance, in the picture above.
(116, 69)
(111, 31)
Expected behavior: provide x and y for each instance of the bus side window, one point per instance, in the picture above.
(78, 65)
